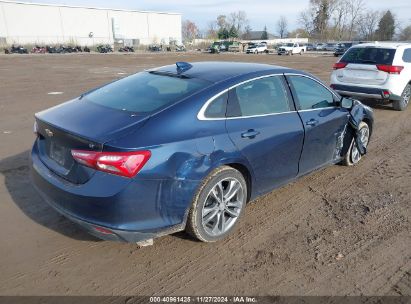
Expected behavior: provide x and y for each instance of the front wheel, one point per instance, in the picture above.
(401, 105)
(353, 155)
(218, 205)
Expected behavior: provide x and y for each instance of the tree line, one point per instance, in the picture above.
(322, 20)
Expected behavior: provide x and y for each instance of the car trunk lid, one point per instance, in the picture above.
(82, 126)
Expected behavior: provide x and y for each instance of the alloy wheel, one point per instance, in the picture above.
(406, 95)
(364, 137)
(222, 206)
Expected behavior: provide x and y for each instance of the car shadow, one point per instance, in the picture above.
(375, 104)
(16, 172)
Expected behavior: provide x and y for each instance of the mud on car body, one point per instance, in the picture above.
(186, 146)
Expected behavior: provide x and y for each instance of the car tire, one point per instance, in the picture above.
(353, 155)
(401, 105)
(210, 219)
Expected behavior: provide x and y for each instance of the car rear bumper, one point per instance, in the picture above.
(115, 208)
(364, 92)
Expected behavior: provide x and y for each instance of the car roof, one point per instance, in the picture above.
(390, 45)
(216, 71)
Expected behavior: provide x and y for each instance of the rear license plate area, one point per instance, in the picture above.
(57, 153)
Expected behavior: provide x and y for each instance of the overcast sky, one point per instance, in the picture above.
(260, 13)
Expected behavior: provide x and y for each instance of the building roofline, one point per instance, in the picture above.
(87, 7)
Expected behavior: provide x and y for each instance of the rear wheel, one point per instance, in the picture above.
(401, 105)
(353, 155)
(218, 205)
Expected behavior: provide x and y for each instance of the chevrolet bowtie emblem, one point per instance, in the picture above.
(49, 133)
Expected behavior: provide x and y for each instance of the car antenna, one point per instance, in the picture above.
(183, 66)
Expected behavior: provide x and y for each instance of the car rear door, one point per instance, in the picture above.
(263, 124)
(324, 122)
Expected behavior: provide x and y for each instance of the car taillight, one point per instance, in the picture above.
(390, 69)
(126, 164)
(339, 65)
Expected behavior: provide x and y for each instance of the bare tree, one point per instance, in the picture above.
(306, 20)
(222, 22)
(282, 27)
(238, 20)
(339, 19)
(189, 30)
(367, 24)
(211, 31)
(354, 8)
(247, 32)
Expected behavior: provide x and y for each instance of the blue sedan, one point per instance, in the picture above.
(186, 146)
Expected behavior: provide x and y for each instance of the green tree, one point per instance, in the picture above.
(264, 35)
(233, 33)
(386, 27)
(223, 33)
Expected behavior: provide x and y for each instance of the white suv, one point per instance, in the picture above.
(256, 49)
(375, 71)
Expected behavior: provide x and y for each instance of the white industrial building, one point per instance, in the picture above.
(31, 23)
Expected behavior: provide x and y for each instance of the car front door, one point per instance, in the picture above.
(263, 124)
(324, 122)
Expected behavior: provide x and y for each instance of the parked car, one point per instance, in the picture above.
(16, 50)
(104, 48)
(291, 49)
(126, 49)
(341, 48)
(380, 71)
(330, 47)
(39, 49)
(121, 162)
(310, 47)
(320, 46)
(257, 48)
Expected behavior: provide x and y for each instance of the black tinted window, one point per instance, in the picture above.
(217, 108)
(407, 55)
(262, 96)
(144, 92)
(369, 55)
(311, 94)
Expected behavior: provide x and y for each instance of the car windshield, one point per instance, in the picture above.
(145, 92)
(290, 44)
(369, 55)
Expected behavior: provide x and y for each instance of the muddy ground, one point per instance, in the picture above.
(340, 231)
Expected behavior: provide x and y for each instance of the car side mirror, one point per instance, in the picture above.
(347, 103)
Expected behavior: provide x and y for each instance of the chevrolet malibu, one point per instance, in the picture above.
(186, 146)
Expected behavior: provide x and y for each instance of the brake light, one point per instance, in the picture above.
(126, 164)
(339, 65)
(390, 69)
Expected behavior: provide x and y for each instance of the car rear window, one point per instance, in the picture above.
(369, 55)
(145, 92)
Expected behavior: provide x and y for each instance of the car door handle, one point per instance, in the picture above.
(250, 134)
(312, 122)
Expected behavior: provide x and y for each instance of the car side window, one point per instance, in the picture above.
(311, 94)
(258, 97)
(407, 55)
(217, 108)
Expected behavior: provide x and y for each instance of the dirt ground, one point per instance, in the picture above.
(339, 231)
